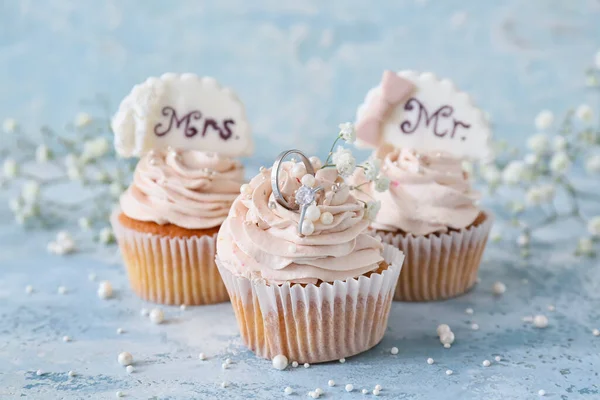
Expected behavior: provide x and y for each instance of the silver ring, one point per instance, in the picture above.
(310, 192)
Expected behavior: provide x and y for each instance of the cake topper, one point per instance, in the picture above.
(419, 111)
(181, 111)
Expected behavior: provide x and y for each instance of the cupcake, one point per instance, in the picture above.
(423, 129)
(315, 291)
(168, 218)
(430, 213)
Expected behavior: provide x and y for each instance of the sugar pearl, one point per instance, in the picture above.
(319, 391)
(157, 316)
(377, 387)
(66, 339)
(475, 327)
(129, 369)
(295, 364)
(298, 170)
(376, 392)
(326, 218)
(342, 360)
(447, 345)
(308, 228)
(224, 366)
(120, 331)
(280, 362)
(28, 289)
(308, 180)
(313, 395)
(498, 358)
(331, 382)
(224, 384)
(596, 332)
(144, 312)
(313, 213)
(202, 356)
(119, 394)
(394, 350)
(105, 290)
(39, 372)
(306, 365)
(447, 337)
(469, 311)
(228, 361)
(364, 391)
(541, 392)
(71, 374)
(442, 328)
(540, 321)
(486, 363)
(498, 288)
(449, 372)
(62, 290)
(430, 361)
(182, 307)
(316, 162)
(246, 190)
(349, 387)
(288, 390)
(125, 358)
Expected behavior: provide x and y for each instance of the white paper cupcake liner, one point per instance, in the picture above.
(439, 266)
(309, 323)
(170, 270)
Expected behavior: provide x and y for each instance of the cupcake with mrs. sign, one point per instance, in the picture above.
(422, 129)
(305, 278)
(185, 131)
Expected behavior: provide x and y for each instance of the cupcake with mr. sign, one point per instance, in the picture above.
(185, 130)
(305, 278)
(423, 129)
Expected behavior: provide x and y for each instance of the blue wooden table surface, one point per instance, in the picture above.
(301, 67)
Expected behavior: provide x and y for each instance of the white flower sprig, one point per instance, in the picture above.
(552, 169)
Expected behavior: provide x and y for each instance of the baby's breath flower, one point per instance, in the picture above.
(10, 168)
(372, 208)
(71, 160)
(115, 189)
(42, 154)
(513, 173)
(344, 161)
(584, 112)
(560, 162)
(30, 191)
(467, 166)
(371, 168)
(15, 204)
(539, 143)
(585, 246)
(82, 119)
(491, 174)
(382, 183)
(559, 143)
(74, 173)
(594, 226)
(9, 125)
(592, 164)
(106, 236)
(347, 132)
(95, 148)
(84, 223)
(544, 120)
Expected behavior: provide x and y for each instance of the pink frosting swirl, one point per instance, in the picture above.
(428, 193)
(259, 239)
(190, 189)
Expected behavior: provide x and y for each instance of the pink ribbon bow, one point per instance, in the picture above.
(393, 90)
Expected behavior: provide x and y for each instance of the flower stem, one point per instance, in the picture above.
(331, 152)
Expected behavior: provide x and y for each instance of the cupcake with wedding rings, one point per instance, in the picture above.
(305, 278)
(186, 131)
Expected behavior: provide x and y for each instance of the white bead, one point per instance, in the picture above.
(308, 180)
(182, 307)
(28, 289)
(66, 339)
(228, 361)
(475, 327)
(326, 218)
(394, 350)
(377, 387)
(129, 369)
(540, 321)
(342, 360)
(498, 358)
(308, 228)
(449, 372)
(498, 288)
(442, 328)
(246, 190)
(105, 290)
(316, 162)
(486, 363)
(202, 356)
(295, 364)
(306, 365)
(469, 311)
(288, 390)
(319, 391)
(596, 332)
(349, 387)
(144, 312)
(39, 372)
(447, 338)
(125, 358)
(298, 170)
(364, 391)
(71, 374)
(430, 361)
(224, 366)
(224, 384)
(313, 395)
(119, 394)
(313, 213)
(541, 392)
(447, 345)
(280, 362)
(157, 316)
(331, 383)
(62, 290)
(376, 392)
(120, 331)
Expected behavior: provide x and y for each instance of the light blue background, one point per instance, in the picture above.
(301, 67)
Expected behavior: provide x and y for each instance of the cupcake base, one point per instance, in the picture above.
(439, 267)
(169, 264)
(313, 324)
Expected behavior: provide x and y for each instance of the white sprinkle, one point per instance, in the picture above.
(182, 307)
(364, 391)
(280, 362)
(71, 374)
(144, 312)
(306, 365)
(28, 289)
(39, 372)
(469, 311)
(596, 332)
(157, 316)
(119, 394)
(120, 331)
(295, 364)
(442, 328)
(105, 290)
(125, 358)
(449, 372)
(66, 339)
(288, 390)
(342, 360)
(498, 288)
(62, 290)
(376, 392)
(498, 358)
(551, 308)
(394, 350)
(224, 365)
(541, 392)
(486, 363)
(540, 321)
(447, 345)
(331, 383)
(224, 384)
(475, 327)
(377, 387)
(202, 356)
(319, 391)
(430, 361)
(129, 369)
(92, 277)
(349, 387)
